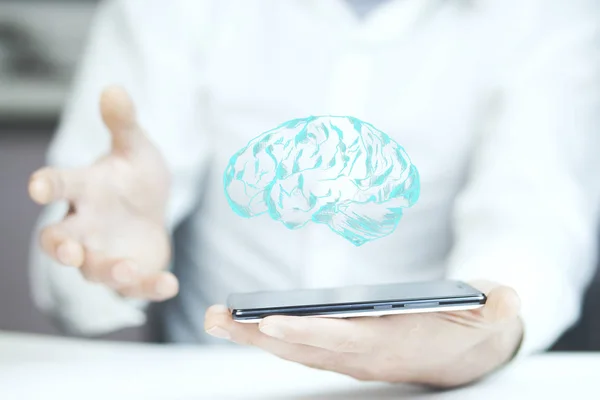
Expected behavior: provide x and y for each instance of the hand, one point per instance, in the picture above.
(114, 230)
(442, 349)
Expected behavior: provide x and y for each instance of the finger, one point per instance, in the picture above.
(114, 273)
(59, 242)
(50, 184)
(338, 335)
(119, 116)
(502, 304)
(218, 323)
(156, 287)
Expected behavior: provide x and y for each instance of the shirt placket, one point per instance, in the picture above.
(330, 258)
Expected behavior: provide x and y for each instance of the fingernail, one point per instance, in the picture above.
(220, 309)
(40, 190)
(219, 332)
(165, 285)
(62, 253)
(162, 288)
(122, 273)
(272, 330)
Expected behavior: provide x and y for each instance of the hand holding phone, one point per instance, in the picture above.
(434, 348)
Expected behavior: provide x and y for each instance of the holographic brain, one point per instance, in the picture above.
(336, 171)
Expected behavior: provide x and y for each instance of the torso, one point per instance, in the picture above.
(280, 61)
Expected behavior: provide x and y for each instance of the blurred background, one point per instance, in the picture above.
(40, 43)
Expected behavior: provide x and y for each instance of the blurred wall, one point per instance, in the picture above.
(19, 153)
(40, 43)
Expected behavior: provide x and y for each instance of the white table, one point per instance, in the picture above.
(37, 367)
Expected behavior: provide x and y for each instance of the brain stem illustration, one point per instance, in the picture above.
(336, 171)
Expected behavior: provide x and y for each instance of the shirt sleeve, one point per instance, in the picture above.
(527, 216)
(149, 48)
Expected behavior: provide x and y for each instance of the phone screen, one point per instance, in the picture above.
(353, 294)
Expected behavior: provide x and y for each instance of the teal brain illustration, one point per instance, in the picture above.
(331, 170)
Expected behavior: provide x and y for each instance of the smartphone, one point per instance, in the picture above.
(357, 301)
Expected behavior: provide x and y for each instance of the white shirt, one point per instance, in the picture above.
(495, 101)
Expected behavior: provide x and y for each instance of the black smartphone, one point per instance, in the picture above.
(357, 301)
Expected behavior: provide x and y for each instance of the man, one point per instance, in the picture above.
(496, 103)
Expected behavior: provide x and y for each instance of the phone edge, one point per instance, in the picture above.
(376, 313)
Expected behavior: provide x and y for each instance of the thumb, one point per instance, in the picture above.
(503, 302)
(119, 116)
